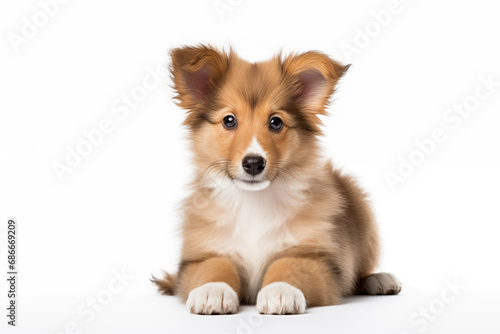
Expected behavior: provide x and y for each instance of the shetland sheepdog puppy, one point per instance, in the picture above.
(269, 221)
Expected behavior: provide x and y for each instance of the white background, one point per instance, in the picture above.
(118, 209)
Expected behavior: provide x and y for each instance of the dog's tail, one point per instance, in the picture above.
(165, 285)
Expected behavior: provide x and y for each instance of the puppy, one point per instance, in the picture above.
(269, 221)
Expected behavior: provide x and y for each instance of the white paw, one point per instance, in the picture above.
(381, 284)
(280, 298)
(213, 298)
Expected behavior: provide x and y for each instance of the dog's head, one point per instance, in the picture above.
(253, 123)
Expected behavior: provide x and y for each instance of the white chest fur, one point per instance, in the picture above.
(255, 226)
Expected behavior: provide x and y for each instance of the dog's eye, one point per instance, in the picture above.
(275, 123)
(229, 122)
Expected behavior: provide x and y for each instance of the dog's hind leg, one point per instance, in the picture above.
(380, 284)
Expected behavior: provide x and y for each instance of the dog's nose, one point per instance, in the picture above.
(253, 165)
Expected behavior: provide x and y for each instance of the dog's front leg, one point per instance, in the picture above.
(291, 283)
(211, 286)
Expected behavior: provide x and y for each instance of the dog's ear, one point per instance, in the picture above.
(197, 72)
(314, 77)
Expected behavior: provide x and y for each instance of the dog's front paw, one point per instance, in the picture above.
(213, 298)
(280, 298)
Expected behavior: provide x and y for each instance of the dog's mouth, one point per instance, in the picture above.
(252, 185)
(219, 172)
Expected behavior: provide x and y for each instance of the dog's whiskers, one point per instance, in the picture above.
(217, 169)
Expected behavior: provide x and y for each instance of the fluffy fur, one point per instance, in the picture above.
(298, 234)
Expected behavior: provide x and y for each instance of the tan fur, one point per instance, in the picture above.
(328, 241)
(214, 269)
(166, 285)
(301, 272)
